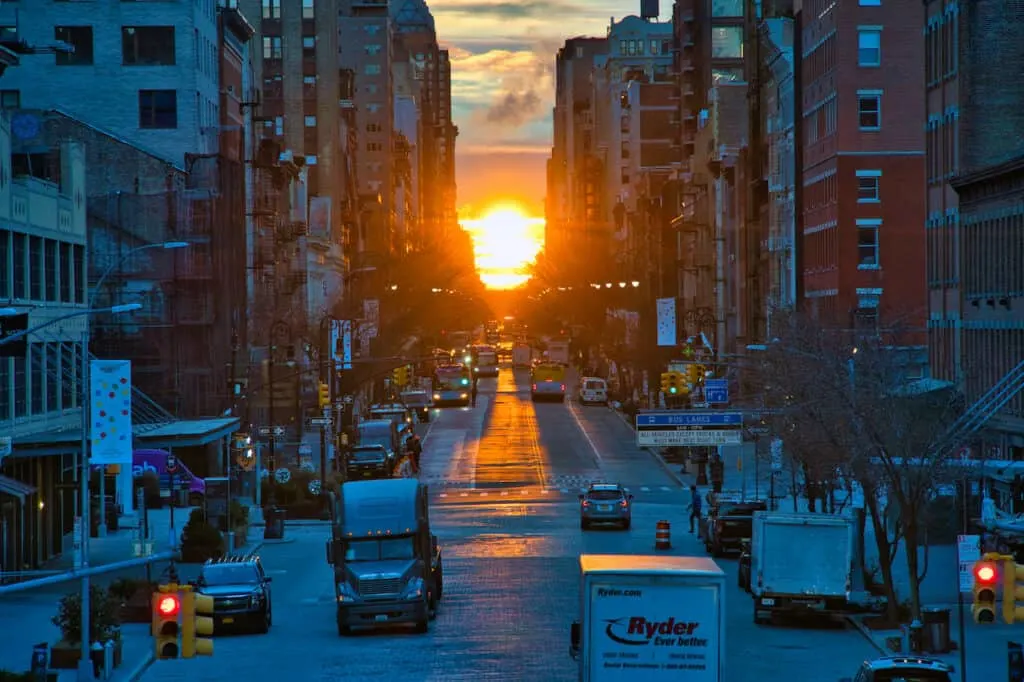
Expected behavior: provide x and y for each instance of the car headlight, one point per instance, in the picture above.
(464, 395)
(413, 589)
(255, 599)
(346, 593)
(437, 396)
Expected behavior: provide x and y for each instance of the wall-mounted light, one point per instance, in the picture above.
(635, 284)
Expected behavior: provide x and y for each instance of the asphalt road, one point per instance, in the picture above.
(504, 479)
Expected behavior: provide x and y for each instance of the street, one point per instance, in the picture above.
(504, 479)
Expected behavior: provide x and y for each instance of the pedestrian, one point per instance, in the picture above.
(717, 472)
(473, 391)
(415, 449)
(695, 506)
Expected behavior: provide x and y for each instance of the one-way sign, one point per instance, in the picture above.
(268, 430)
(320, 421)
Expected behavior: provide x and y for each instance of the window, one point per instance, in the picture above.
(18, 253)
(373, 127)
(69, 378)
(5, 392)
(373, 50)
(78, 255)
(309, 46)
(372, 108)
(373, 146)
(271, 47)
(66, 273)
(870, 3)
(867, 243)
(310, 121)
(727, 42)
(869, 47)
(53, 377)
(372, 69)
(867, 186)
(371, 89)
(624, 150)
(727, 8)
(10, 99)
(147, 45)
(50, 268)
(869, 110)
(308, 9)
(158, 109)
(733, 75)
(271, 9)
(38, 363)
(624, 175)
(279, 125)
(311, 161)
(309, 80)
(20, 388)
(80, 38)
(35, 268)
(5, 273)
(372, 29)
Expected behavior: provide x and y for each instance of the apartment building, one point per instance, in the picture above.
(365, 30)
(145, 71)
(977, 255)
(863, 152)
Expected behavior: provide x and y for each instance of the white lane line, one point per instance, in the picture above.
(645, 488)
(665, 487)
(443, 495)
(463, 494)
(504, 493)
(590, 441)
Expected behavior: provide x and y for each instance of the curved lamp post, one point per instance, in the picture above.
(84, 664)
(101, 530)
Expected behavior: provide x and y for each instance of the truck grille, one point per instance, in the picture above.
(373, 588)
(231, 602)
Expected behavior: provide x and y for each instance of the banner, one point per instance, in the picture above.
(341, 343)
(110, 412)
(666, 321)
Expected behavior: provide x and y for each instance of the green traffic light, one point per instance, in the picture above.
(672, 390)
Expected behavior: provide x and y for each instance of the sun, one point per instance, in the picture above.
(505, 243)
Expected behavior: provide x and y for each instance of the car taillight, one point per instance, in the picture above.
(535, 387)
(586, 503)
(624, 503)
(563, 388)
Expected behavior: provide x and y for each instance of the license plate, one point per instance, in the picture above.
(366, 473)
(381, 618)
(604, 507)
(228, 621)
(767, 602)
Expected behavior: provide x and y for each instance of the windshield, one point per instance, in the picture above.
(740, 508)
(487, 358)
(379, 550)
(911, 676)
(229, 574)
(594, 385)
(368, 454)
(374, 431)
(415, 399)
(394, 416)
(604, 495)
(452, 380)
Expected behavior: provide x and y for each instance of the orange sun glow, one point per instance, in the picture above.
(505, 243)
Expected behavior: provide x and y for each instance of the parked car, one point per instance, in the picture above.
(367, 462)
(606, 503)
(729, 522)
(903, 669)
(240, 589)
(419, 403)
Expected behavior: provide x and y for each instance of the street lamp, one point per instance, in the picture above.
(84, 664)
(101, 529)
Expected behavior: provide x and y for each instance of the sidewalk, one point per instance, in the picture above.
(25, 616)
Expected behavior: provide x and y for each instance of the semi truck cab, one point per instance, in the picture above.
(387, 564)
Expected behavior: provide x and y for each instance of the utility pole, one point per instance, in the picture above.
(271, 459)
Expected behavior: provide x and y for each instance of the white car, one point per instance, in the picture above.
(593, 391)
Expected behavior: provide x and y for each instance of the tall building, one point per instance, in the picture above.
(447, 132)
(576, 236)
(863, 158)
(976, 254)
(145, 70)
(366, 43)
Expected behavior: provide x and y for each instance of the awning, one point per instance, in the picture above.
(15, 488)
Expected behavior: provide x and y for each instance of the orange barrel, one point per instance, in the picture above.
(662, 536)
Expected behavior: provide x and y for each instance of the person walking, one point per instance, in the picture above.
(717, 471)
(415, 448)
(695, 506)
(473, 391)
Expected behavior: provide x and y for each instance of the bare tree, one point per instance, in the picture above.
(846, 406)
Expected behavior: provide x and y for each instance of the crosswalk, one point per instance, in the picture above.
(463, 492)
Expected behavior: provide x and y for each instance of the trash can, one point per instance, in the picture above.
(936, 629)
(273, 523)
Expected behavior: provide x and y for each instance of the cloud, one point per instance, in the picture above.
(514, 109)
(506, 10)
(509, 148)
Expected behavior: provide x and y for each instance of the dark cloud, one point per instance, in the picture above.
(509, 10)
(514, 108)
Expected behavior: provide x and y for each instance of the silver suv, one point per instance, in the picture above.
(606, 503)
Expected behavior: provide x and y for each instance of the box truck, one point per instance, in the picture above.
(650, 618)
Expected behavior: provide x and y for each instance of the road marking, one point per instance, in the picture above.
(504, 493)
(665, 487)
(645, 488)
(583, 430)
(564, 490)
(483, 494)
(463, 494)
(443, 495)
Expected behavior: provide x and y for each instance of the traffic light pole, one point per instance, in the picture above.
(964, 521)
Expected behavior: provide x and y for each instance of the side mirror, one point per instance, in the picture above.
(574, 639)
(631, 497)
(192, 583)
(581, 497)
(268, 579)
(330, 552)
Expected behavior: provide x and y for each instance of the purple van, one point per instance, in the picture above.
(156, 461)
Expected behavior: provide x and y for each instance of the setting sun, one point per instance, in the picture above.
(505, 244)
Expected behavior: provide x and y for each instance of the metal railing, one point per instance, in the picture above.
(983, 409)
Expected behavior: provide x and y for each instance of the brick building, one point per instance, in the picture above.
(862, 104)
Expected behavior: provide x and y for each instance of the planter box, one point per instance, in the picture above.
(66, 655)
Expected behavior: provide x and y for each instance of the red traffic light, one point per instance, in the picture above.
(985, 573)
(168, 606)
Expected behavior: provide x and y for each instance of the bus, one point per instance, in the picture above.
(547, 382)
(485, 361)
(452, 385)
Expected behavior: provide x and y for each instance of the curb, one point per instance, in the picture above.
(138, 671)
(282, 541)
(866, 634)
(666, 467)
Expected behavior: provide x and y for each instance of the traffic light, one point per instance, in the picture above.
(196, 624)
(985, 576)
(400, 376)
(245, 456)
(1013, 590)
(700, 372)
(323, 394)
(666, 382)
(166, 611)
(691, 374)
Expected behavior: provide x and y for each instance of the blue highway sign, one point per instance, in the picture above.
(716, 391)
(648, 420)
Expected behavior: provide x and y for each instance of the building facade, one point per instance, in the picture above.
(863, 144)
(145, 71)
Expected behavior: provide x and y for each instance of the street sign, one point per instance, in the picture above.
(320, 421)
(9, 326)
(271, 430)
(759, 430)
(688, 438)
(171, 464)
(716, 391)
(314, 487)
(689, 418)
(282, 475)
(968, 551)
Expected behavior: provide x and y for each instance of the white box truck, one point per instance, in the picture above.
(801, 563)
(558, 352)
(522, 356)
(650, 619)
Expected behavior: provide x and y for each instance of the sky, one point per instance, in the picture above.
(503, 58)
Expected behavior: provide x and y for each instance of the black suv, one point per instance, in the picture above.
(367, 462)
(240, 590)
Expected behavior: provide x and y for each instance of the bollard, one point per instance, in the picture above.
(662, 537)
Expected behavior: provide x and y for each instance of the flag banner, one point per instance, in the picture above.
(346, 344)
(666, 321)
(110, 412)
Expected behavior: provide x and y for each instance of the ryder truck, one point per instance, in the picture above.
(650, 618)
(387, 564)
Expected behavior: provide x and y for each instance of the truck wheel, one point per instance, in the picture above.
(422, 626)
(440, 587)
(431, 606)
(584, 525)
(716, 551)
(343, 630)
(758, 620)
(263, 625)
(626, 524)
